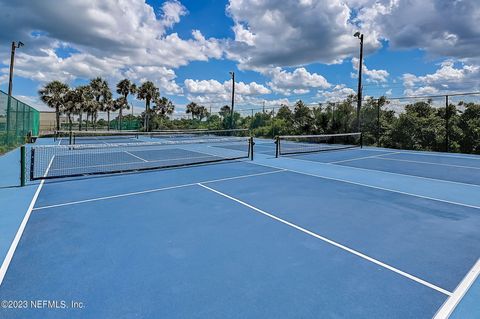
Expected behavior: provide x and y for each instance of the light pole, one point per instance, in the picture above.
(233, 98)
(12, 60)
(359, 91)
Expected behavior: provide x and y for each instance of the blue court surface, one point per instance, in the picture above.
(357, 233)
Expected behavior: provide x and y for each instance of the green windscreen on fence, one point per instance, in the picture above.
(17, 121)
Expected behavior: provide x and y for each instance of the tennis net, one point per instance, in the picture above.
(298, 144)
(55, 161)
(107, 137)
(198, 133)
(95, 137)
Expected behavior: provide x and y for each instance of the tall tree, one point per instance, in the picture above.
(124, 88)
(192, 108)
(87, 103)
(224, 111)
(148, 92)
(303, 120)
(53, 94)
(102, 93)
(162, 108)
(201, 112)
(71, 105)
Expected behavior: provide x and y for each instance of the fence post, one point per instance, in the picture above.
(277, 146)
(447, 126)
(378, 123)
(23, 165)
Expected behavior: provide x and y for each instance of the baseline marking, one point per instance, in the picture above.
(449, 306)
(331, 242)
(153, 190)
(21, 228)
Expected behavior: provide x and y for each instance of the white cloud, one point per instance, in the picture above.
(217, 88)
(440, 27)
(162, 77)
(338, 93)
(447, 78)
(291, 33)
(300, 81)
(108, 38)
(375, 76)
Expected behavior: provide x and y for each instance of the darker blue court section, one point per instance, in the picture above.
(450, 167)
(447, 173)
(192, 253)
(409, 232)
(321, 235)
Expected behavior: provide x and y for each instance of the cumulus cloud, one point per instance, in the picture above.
(163, 78)
(110, 38)
(215, 87)
(212, 92)
(374, 76)
(448, 78)
(300, 81)
(440, 27)
(291, 32)
(338, 93)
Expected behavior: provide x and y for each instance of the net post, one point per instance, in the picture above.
(361, 139)
(32, 163)
(23, 167)
(250, 147)
(277, 146)
(71, 138)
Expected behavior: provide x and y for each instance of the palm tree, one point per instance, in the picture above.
(89, 103)
(192, 108)
(202, 112)
(163, 107)
(102, 93)
(74, 102)
(148, 92)
(53, 94)
(125, 87)
(86, 98)
(69, 105)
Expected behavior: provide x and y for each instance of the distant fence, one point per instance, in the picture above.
(17, 121)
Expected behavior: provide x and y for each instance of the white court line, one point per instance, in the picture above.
(371, 186)
(142, 159)
(451, 303)
(429, 163)
(423, 153)
(154, 190)
(386, 172)
(334, 243)
(21, 228)
(364, 157)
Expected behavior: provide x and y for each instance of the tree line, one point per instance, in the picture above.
(418, 125)
(90, 99)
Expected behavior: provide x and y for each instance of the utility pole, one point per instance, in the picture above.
(263, 106)
(233, 98)
(359, 91)
(10, 80)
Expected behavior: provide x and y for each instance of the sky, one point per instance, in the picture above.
(280, 50)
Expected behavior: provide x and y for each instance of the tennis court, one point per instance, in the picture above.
(347, 233)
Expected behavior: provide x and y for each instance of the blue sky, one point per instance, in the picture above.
(281, 51)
